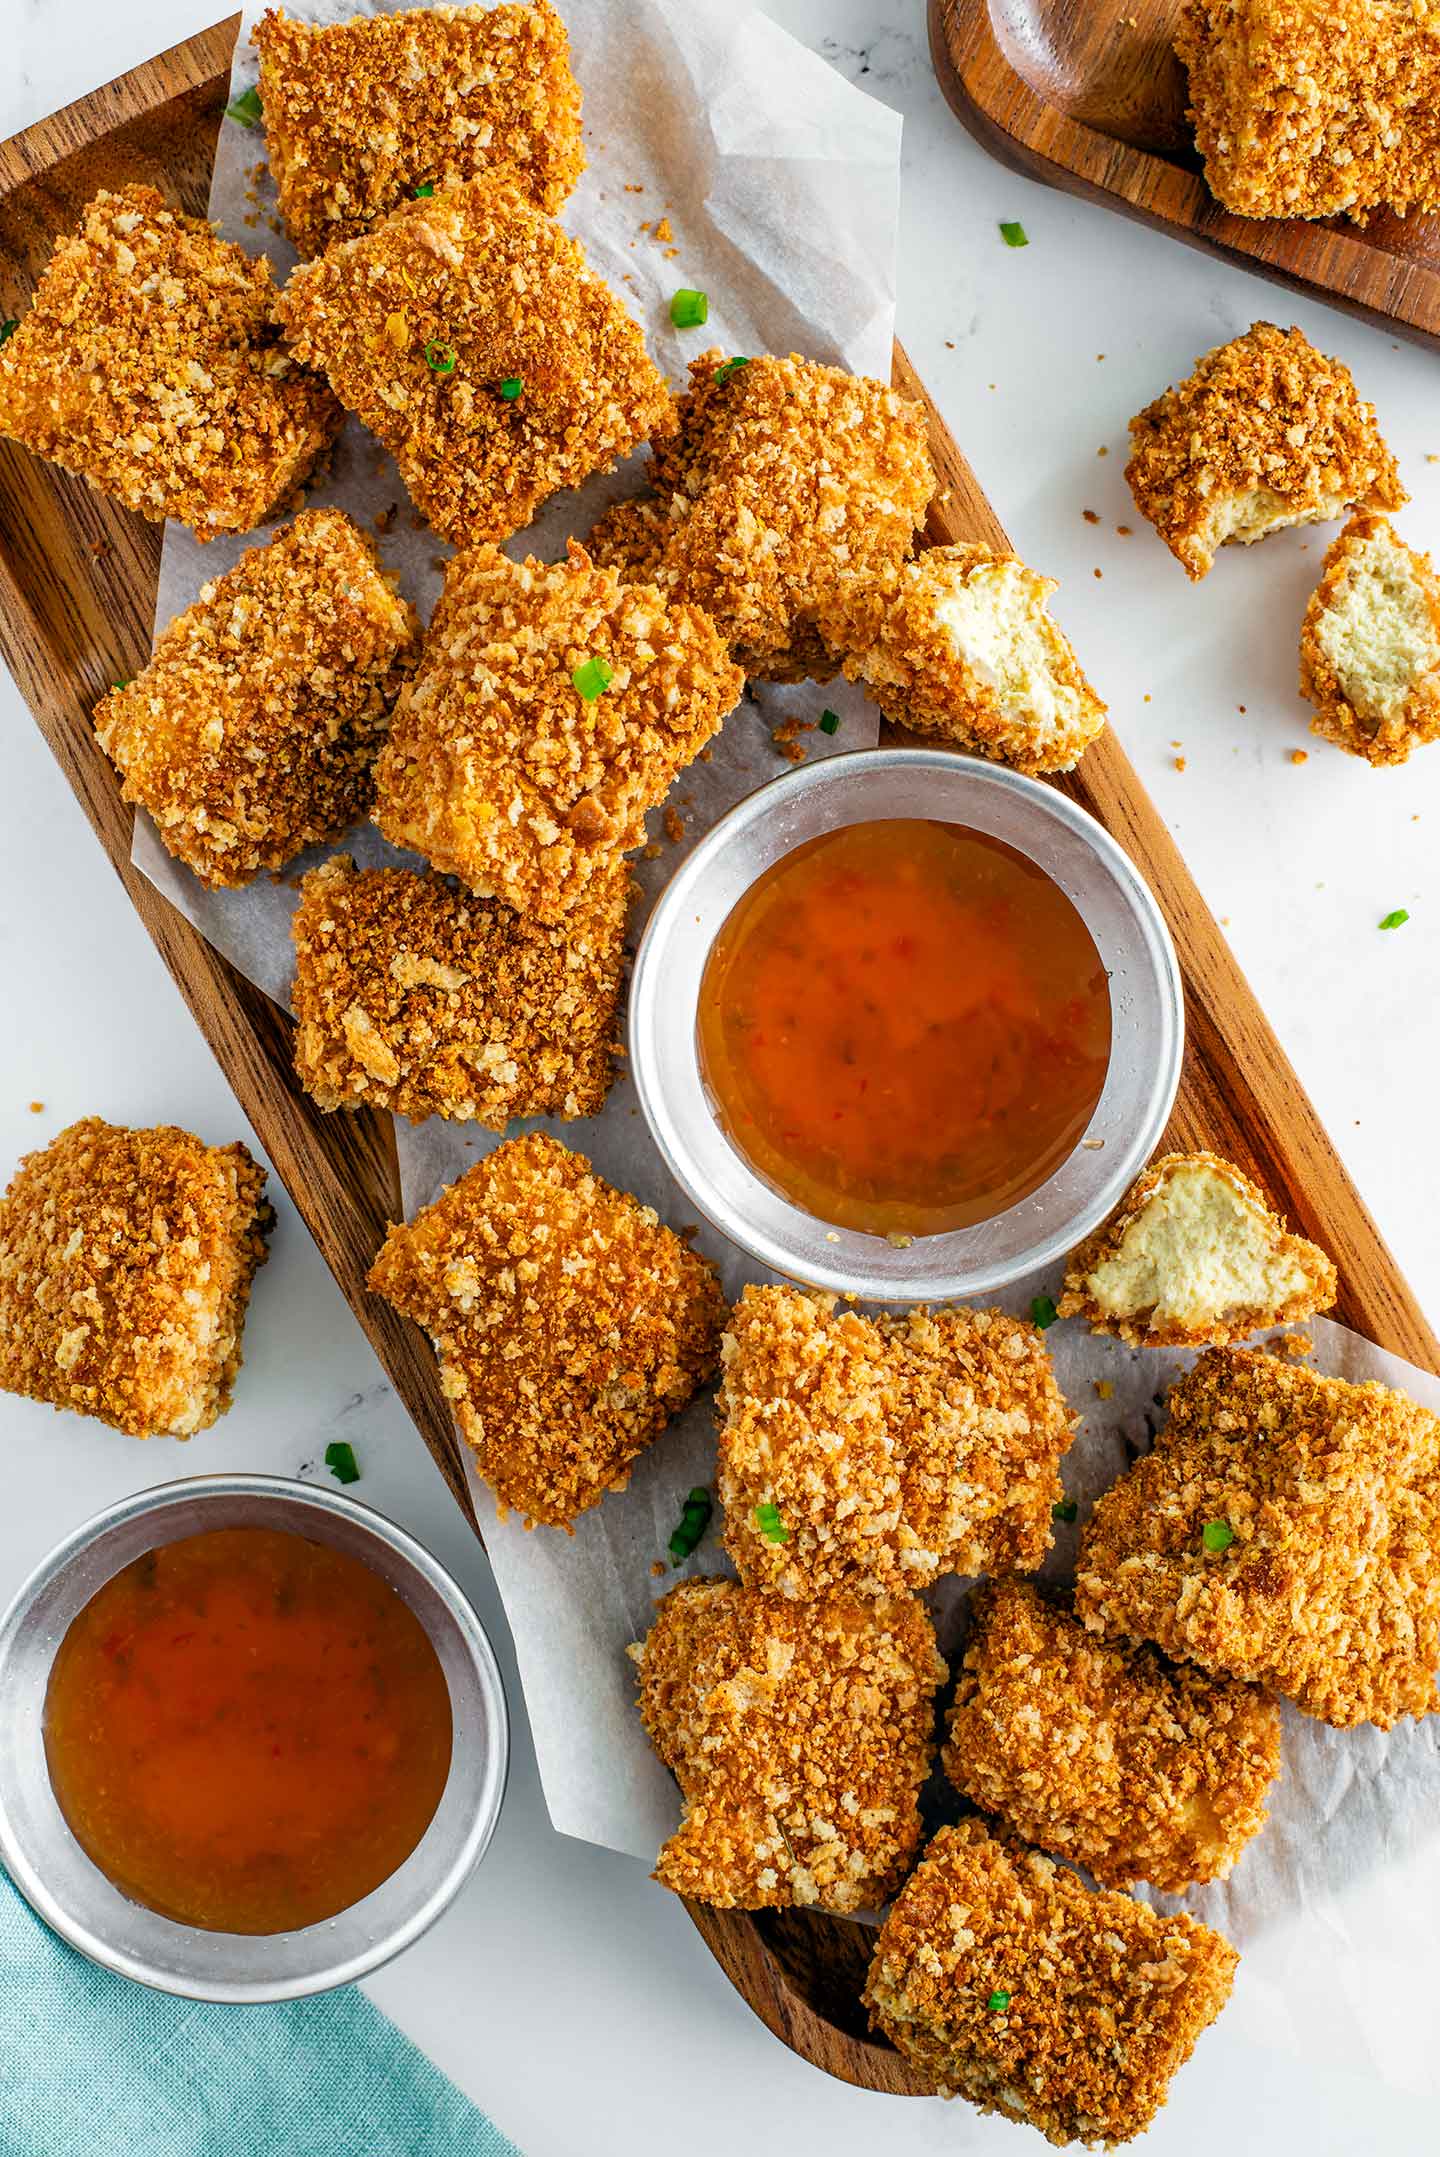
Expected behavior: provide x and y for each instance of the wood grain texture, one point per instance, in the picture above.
(1092, 100)
(77, 590)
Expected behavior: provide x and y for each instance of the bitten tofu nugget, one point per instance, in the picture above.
(1283, 1530)
(126, 1259)
(1109, 1756)
(570, 1323)
(964, 648)
(1007, 1982)
(1267, 432)
(150, 363)
(360, 115)
(800, 1737)
(553, 707)
(471, 336)
(415, 997)
(1194, 1255)
(1370, 645)
(253, 732)
(875, 1454)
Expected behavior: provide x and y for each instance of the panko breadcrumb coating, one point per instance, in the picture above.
(964, 648)
(789, 486)
(499, 771)
(800, 1737)
(1133, 1767)
(253, 732)
(882, 1452)
(1267, 432)
(1194, 1256)
(569, 1322)
(1004, 1980)
(360, 114)
(1284, 1530)
(1370, 645)
(471, 336)
(150, 363)
(126, 1259)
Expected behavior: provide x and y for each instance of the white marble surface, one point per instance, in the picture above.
(565, 1992)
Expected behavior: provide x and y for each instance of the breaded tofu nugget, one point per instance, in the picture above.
(553, 707)
(1267, 432)
(964, 648)
(150, 363)
(1194, 1256)
(126, 1259)
(1284, 1531)
(875, 1454)
(253, 732)
(1370, 645)
(471, 336)
(360, 115)
(1133, 1767)
(569, 1322)
(788, 486)
(1007, 1982)
(800, 1737)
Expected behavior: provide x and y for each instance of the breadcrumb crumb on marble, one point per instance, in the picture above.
(1106, 1755)
(126, 1260)
(1267, 432)
(1194, 1256)
(570, 1324)
(1324, 1498)
(891, 1449)
(500, 772)
(150, 363)
(417, 323)
(360, 114)
(800, 1736)
(1370, 645)
(1006, 1981)
(254, 730)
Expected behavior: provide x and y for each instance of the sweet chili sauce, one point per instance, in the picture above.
(247, 1731)
(904, 1026)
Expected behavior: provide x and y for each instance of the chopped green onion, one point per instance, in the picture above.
(1218, 1535)
(440, 359)
(1064, 1509)
(729, 367)
(8, 328)
(125, 684)
(592, 678)
(1043, 1311)
(771, 1526)
(689, 309)
(1014, 235)
(511, 387)
(423, 194)
(1396, 920)
(829, 722)
(694, 1520)
(998, 2002)
(340, 1460)
(245, 108)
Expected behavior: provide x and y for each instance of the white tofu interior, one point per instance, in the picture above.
(1378, 633)
(1197, 1250)
(998, 628)
(1244, 518)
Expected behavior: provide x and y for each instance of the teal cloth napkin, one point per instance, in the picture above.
(92, 2065)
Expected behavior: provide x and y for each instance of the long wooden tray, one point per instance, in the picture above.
(1092, 99)
(77, 592)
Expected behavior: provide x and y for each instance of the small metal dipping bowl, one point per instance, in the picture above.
(1146, 1019)
(61, 1883)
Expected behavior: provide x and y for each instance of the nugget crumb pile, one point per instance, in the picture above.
(361, 114)
(150, 363)
(1005, 1981)
(126, 1259)
(882, 1452)
(570, 1323)
(1370, 645)
(253, 731)
(1318, 1573)
(800, 1737)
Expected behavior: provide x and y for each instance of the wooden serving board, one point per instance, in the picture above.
(77, 594)
(1092, 99)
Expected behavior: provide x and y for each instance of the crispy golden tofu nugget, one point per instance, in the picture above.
(1194, 1255)
(553, 707)
(570, 1323)
(1284, 1530)
(1109, 1756)
(126, 1259)
(875, 1454)
(253, 732)
(1004, 1980)
(1267, 432)
(150, 363)
(800, 1738)
(1370, 645)
(469, 333)
(360, 115)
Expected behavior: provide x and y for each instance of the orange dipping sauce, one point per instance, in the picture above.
(904, 1027)
(247, 1731)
